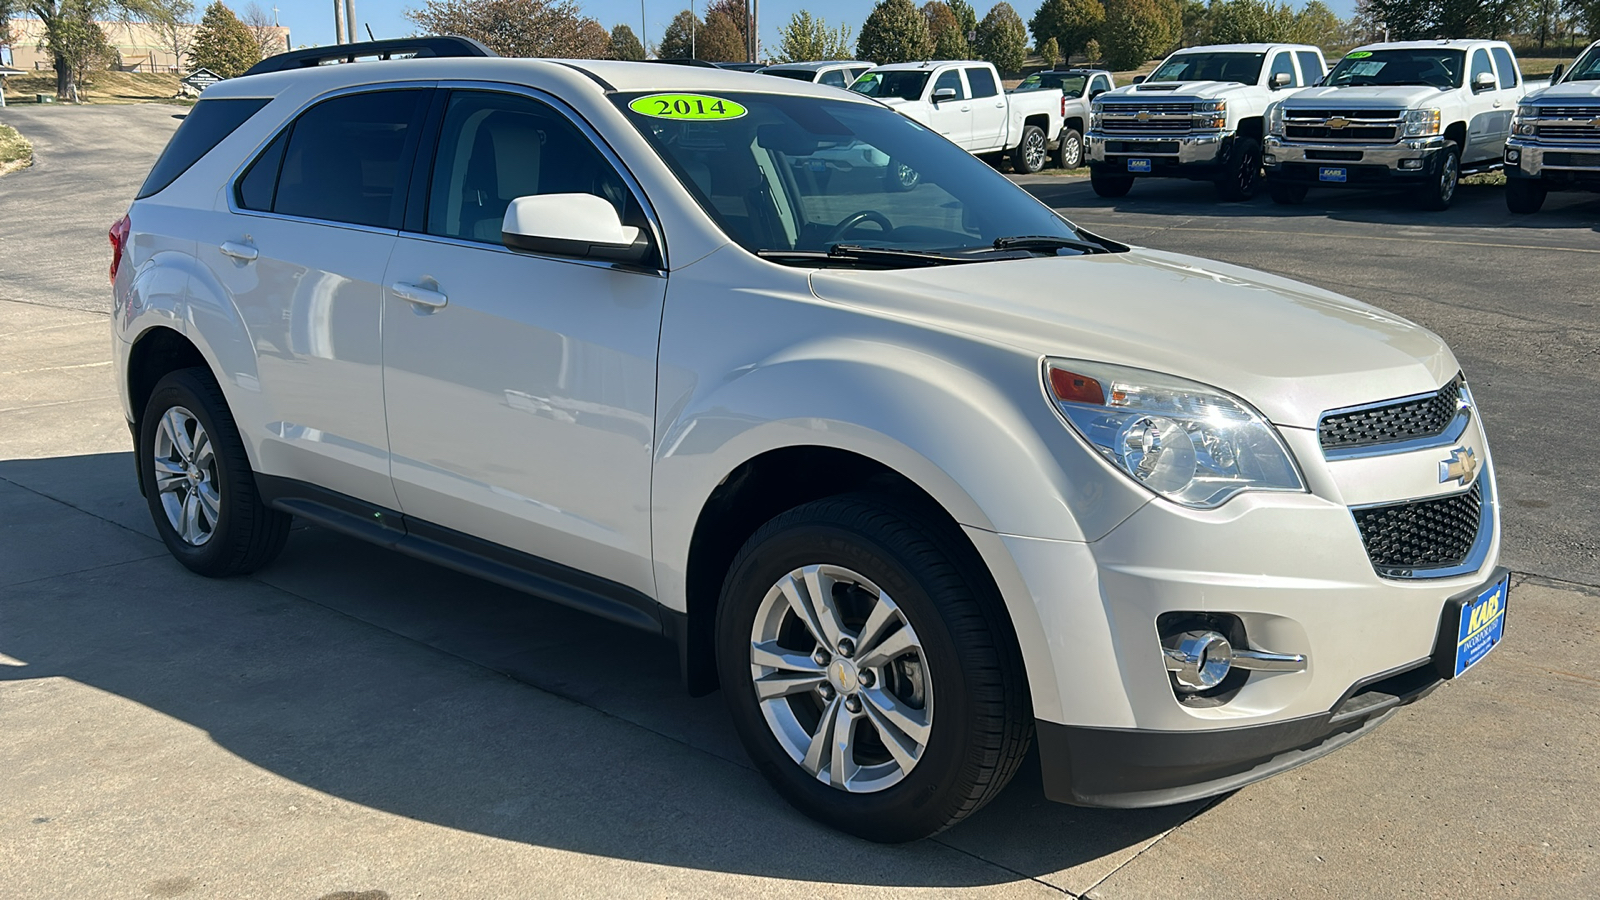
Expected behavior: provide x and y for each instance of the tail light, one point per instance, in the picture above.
(119, 240)
(1063, 106)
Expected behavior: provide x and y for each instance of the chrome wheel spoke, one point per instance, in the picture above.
(903, 747)
(819, 751)
(210, 503)
(896, 644)
(173, 424)
(884, 613)
(842, 756)
(191, 517)
(768, 653)
(170, 476)
(812, 606)
(910, 723)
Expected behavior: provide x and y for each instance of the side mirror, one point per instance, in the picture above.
(581, 226)
(1555, 76)
(1280, 80)
(1483, 81)
(1139, 79)
(942, 94)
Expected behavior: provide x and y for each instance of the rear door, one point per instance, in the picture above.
(989, 111)
(520, 389)
(1509, 94)
(302, 253)
(1311, 70)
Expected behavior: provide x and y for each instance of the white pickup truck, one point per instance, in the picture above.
(1199, 116)
(1416, 114)
(1555, 137)
(962, 100)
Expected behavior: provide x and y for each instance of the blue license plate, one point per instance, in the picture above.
(1482, 624)
(1333, 173)
(1138, 165)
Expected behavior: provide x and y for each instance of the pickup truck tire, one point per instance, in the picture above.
(1440, 190)
(899, 177)
(1524, 196)
(1241, 171)
(935, 658)
(1070, 154)
(198, 483)
(1287, 194)
(1110, 186)
(1032, 152)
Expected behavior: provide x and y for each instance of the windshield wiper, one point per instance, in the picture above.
(1047, 242)
(852, 254)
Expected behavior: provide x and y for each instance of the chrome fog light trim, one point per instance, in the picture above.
(1199, 660)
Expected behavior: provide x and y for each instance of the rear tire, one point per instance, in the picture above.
(1070, 154)
(198, 482)
(937, 658)
(1241, 172)
(1524, 196)
(1440, 191)
(1032, 152)
(1110, 186)
(1287, 194)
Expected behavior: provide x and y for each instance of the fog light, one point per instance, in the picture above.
(1198, 660)
(1269, 160)
(1410, 163)
(1512, 155)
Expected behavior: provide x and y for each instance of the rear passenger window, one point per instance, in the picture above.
(494, 148)
(1509, 75)
(833, 78)
(342, 160)
(982, 82)
(256, 188)
(1310, 66)
(203, 128)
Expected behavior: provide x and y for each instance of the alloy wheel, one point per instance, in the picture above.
(1071, 152)
(841, 678)
(186, 476)
(1449, 176)
(1034, 151)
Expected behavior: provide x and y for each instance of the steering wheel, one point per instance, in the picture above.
(856, 218)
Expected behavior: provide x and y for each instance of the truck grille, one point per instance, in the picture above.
(1158, 118)
(1368, 126)
(1422, 534)
(1572, 160)
(1569, 112)
(1581, 132)
(1402, 420)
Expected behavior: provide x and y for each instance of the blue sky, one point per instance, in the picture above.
(311, 21)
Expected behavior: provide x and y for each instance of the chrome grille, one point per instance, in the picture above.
(1421, 534)
(1400, 420)
(1162, 119)
(1568, 112)
(1367, 126)
(1569, 132)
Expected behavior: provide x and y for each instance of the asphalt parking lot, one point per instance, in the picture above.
(351, 723)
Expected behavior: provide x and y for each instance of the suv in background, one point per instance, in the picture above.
(1078, 89)
(1414, 114)
(833, 73)
(1555, 137)
(1200, 115)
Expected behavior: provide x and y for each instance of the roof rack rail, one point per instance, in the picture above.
(416, 47)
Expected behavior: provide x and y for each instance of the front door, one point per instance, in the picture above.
(952, 118)
(520, 389)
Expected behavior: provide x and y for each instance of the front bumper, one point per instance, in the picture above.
(1367, 165)
(1183, 156)
(1573, 165)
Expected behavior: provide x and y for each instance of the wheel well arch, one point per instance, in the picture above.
(1075, 123)
(154, 354)
(1041, 121)
(1457, 131)
(766, 485)
(1252, 127)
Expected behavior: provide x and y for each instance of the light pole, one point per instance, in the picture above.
(338, 23)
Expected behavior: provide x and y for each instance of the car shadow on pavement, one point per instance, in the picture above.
(366, 675)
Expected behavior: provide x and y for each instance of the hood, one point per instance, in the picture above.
(1176, 91)
(1291, 350)
(1572, 90)
(1406, 96)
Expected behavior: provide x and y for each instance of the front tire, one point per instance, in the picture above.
(1032, 152)
(1110, 186)
(1524, 196)
(1070, 154)
(198, 482)
(868, 671)
(1241, 172)
(1440, 191)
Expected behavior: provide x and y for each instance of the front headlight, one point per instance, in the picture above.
(1211, 114)
(1193, 444)
(1275, 120)
(1527, 112)
(1095, 109)
(1421, 122)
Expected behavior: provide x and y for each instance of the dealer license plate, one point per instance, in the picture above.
(1481, 623)
(1138, 165)
(1333, 173)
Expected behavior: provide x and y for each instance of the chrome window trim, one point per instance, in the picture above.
(502, 248)
(1477, 554)
(1451, 434)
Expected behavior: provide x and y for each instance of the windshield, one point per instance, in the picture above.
(1071, 85)
(905, 85)
(1431, 67)
(784, 174)
(1245, 68)
(796, 74)
(1587, 68)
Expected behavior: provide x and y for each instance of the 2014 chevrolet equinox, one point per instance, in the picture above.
(918, 477)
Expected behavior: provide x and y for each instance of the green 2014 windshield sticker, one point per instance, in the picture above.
(694, 107)
(1359, 54)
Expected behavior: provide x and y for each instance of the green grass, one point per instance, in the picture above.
(15, 150)
(103, 87)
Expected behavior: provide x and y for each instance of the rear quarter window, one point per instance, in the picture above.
(202, 129)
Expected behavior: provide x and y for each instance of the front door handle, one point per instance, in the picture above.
(420, 296)
(241, 252)
(1497, 104)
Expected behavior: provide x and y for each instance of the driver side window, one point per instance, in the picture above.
(1480, 64)
(950, 78)
(1283, 63)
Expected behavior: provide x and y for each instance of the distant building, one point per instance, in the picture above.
(141, 47)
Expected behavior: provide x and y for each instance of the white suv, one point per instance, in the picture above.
(595, 330)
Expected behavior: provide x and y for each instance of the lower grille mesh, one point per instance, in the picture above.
(1422, 534)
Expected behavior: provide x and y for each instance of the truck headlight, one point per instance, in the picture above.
(1275, 120)
(1211, 114)
(1192, 444)
(1525, 111)
(1421, 122)
(1095, 109)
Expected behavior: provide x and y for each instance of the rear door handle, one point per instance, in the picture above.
(241, 252)
(420, 296)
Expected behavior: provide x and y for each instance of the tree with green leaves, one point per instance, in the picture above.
(738, 14)
(721, 41)
(944, 30)
(537, 28)
(1135, 31)
(1050, 52)
(894, 32)
(680, 40)
(1316, 24)
(70, 45)
(1072, 23)
(1249, 22)
(625, 44)
(966, 17)
(223, 44)
(1003, 39)
(808, 38)
(79, 39)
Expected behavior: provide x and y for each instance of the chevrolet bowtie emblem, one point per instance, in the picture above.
(1460, 467)
(1337, 122)
(1143, 115)
(1594, 122)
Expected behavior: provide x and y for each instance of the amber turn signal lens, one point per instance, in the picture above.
(1074, 388)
